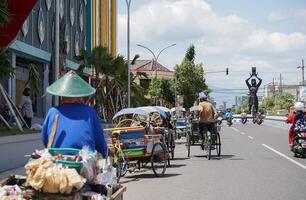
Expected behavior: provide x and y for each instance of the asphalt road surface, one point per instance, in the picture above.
(255, 163)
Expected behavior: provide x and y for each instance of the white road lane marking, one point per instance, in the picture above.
(284, 156)
(235, 129)
(242, 133)
(250, 137)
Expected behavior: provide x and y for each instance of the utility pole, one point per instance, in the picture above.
(128, 4)
(302, 67)
(280, 83)
(56, 55)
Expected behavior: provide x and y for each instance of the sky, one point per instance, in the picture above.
(239, 34)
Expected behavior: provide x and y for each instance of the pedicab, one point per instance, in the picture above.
(180, 122)
(136, 142)
(211, 141)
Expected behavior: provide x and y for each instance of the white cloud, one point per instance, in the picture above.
(281, 15)
(275, 42)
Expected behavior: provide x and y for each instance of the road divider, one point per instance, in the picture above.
(284, 156)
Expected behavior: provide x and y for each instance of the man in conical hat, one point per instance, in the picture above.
(78, 124)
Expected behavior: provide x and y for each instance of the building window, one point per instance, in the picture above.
(77, 44)
(67, 40)
(41, 26)
(72, 14)
(48, 4)
(81, 17)
(61, 8)
(25, 27)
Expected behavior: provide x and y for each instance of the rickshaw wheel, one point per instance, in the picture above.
(159, 159)
(121, 169)
(208, 150)
(218, 144)
(172, 145)
(188, 144)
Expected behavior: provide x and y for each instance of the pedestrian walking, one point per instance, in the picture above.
(26, 107)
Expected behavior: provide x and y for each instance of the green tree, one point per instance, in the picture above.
(189, 78)
(4, 14)
(161, 89)
(34, 80)
(110, 80)
(284, 100)
(268, 103)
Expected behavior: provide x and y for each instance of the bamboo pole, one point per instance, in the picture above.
(17, 111)
(11, 108)
(5, 122)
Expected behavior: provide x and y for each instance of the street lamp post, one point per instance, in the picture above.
(156, 57)
(302, 67)
(128, 3)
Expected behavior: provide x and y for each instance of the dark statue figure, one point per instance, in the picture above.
(253, 88)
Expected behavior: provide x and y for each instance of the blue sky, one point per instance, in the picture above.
(267, 34)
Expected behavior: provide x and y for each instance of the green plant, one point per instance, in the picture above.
(34, 80)
(6, 70)
(4, 14)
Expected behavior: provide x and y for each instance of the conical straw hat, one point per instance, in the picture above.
(71, 85)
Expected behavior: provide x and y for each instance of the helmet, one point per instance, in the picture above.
(202, 96)
(299, 106)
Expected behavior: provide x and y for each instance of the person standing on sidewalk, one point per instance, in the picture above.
(207, 118)
(26, 106)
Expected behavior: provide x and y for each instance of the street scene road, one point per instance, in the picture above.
(255, 163)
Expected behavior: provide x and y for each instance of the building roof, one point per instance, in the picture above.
(148, 65)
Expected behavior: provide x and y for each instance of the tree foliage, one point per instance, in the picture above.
(284, 100)
(189, 78)
(111, 81)
(4, 14)
(161, 89)
(6, 69)
(34, 80)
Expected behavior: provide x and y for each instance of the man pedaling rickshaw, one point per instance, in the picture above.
(207, 119)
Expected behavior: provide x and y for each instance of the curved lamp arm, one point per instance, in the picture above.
(148, 50)
(164, 50)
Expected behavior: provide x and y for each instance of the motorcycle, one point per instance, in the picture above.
(219, 120)
(259, 119)
(299, 144)
(244, 118)
(229, 121)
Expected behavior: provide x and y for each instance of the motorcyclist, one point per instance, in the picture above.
(295, 116)
(229, 114)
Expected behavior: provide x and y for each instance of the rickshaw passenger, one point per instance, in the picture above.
(207, 119)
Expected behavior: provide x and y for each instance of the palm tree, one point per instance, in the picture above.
(5, 67)
(4, 14)
(110, 80)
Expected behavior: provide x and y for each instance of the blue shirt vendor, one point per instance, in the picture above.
(78, 125)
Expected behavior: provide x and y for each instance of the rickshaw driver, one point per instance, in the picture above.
(207, 118)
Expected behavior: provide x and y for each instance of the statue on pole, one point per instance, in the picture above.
(253, 88)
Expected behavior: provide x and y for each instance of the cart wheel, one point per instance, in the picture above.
(159, 159)
(172, 145)
(121, 168)
(188, 144)
(207, 148)
(218, 144)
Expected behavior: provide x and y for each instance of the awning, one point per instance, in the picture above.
(19, 10)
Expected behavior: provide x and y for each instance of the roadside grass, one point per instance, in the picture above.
(15, 131)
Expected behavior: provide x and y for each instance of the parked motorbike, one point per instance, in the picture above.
(229, 121)
(299, 144)
(244, 118)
